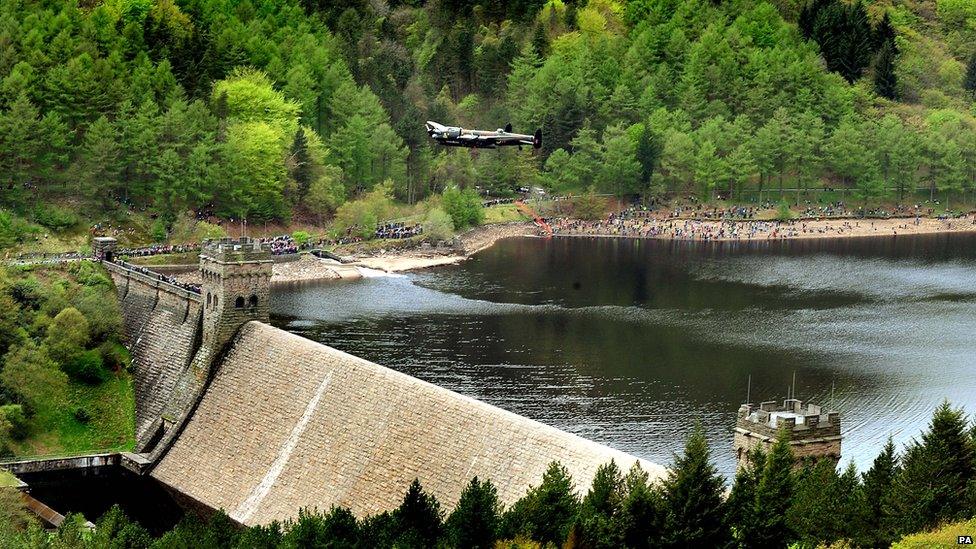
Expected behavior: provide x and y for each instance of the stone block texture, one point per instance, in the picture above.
(161, 330)
(287, 423)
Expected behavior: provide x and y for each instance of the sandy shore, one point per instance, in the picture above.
(701, 230)
(472, 242)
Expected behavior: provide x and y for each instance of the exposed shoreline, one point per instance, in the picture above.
(759, 231)
(312, 269)
(472, 242)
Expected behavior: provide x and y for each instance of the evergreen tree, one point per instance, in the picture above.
(301, 165)
(969, 83)
(773, 496)
(693, 498)
(885, 33)
(597, 525)
(936, 477)
(474, 522)
(99, 162)
(418, 519)
(742, 515)
(547, 512)
(885, 80)
(823, 507)
(642, 512)
(876, 484)
(648, 151)
(540, 41)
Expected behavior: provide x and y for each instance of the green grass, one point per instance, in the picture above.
(504, 213)
(942, 537)
(111, 407)
(7, 480)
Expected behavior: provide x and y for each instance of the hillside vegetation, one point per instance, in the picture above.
(64, 384)
(115, 110)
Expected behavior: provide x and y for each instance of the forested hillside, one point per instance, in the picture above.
(268, 109)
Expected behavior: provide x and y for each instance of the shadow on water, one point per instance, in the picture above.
(631, 342)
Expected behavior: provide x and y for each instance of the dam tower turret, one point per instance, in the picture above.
(813, 431)
(235, 288)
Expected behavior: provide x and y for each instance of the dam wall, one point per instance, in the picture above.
(288, 423)
(162, 331)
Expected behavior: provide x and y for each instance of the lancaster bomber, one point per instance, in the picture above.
(453, 136)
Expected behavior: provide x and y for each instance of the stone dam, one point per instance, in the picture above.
(235, 414)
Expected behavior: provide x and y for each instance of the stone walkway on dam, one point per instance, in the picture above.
(287, 423)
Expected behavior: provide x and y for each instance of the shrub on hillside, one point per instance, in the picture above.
(438, 225)
(301, 237)
(114, 355)
(54, 218)
(86, 367)
(14, 230)
(464, 207)
(16, 418)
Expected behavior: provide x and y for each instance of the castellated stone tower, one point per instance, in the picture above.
(814, 432)
(236, 281)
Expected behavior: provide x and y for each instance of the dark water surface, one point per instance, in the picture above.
(631, 342)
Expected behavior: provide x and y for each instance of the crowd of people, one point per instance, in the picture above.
(158, 249)
(643, 223)
(280, 245)
(195, 288)
(398, 230)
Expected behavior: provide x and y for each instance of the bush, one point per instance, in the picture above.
(14, 415)
(54, 218)
(158, 231)
(301, 237)
(82, 415)
(464, 207)
(86, 367)
(783, 212)
(114, 355)
(438, 225)
(14, 230)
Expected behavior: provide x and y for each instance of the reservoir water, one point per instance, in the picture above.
(631, 342)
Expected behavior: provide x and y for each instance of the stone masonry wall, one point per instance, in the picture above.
(288, 423)
(162, 327)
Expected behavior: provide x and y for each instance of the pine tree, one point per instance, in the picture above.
(474, 522)
(693, 498)
(969, 82)
(885, 80)
(547, 512)
(648, 152)
(876, 484)
(822, 509)
(418, 519)
(936, 475)
(300, 165)
(885, 33)
(597, 524)
(740, 508)
(540, 41)
(773, 496)
(99, 162)
(642, 512)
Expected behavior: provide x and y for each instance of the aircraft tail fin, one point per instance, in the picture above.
(508, 128)
(537, 139)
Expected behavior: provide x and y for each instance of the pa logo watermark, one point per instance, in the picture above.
(964, 540)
